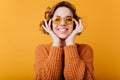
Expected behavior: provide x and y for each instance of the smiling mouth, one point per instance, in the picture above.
(63, 30)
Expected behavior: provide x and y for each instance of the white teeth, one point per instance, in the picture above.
(62, 30)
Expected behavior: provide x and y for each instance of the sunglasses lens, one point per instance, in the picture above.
(69, 20)
(57, 20)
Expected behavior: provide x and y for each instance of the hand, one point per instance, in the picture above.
(78, 29)
(47, 28)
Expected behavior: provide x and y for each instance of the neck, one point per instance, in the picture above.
(63, 42)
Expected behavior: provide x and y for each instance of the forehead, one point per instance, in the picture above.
(63, 12)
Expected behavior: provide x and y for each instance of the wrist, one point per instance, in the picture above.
(69, 43)
(56, 44)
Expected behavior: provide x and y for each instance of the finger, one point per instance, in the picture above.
(49, 22)
(46, 23)
(80, 22)
(44, 27)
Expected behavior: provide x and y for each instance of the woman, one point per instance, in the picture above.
(63, 59)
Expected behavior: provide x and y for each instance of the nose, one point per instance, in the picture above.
(62, 22)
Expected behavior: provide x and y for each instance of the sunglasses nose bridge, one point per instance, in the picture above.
(62, 21)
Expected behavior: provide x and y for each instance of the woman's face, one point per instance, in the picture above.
(63, 22)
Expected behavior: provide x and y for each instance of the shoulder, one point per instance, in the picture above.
(84, 46)
(85, 49)
(42, 48)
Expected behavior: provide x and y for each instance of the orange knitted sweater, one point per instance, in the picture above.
(73, 62)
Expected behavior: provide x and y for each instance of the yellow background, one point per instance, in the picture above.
(19, 35)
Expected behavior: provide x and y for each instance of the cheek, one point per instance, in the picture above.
(71, 27)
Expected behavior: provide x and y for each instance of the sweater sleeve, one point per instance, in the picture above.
(87, 56)
(74, 65)
(48, 64)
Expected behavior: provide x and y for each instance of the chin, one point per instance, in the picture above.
(63, 37)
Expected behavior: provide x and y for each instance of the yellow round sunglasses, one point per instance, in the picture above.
(68, 20)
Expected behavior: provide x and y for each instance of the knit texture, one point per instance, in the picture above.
(73, 62)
